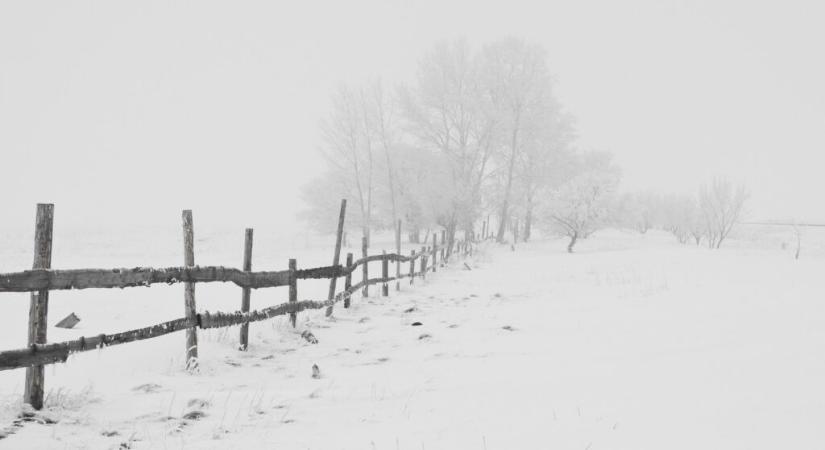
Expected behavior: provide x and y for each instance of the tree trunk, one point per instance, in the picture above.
(505, 205)
(414, 236)
(451, 229)
(572, 242)
(469, 232)
(528, 223)
(366, 234)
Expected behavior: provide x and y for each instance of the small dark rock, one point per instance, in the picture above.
(194, 415)
(309, 337)
(417, 324)
(196, 402)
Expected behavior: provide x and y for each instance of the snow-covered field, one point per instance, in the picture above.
(634, 342)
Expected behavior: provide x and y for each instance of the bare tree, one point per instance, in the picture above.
(544, 163)
(584, 204)
(379, 110)
(722, 206)
(447, 110)
(348, 149)
(516, 76)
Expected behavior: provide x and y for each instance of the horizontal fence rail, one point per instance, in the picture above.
(41, 279)
(54, 280)
(38, 354)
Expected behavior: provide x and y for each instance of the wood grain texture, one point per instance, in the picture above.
(36, 280)
(34, 384)
(293, 290)
(337, 253)
(365, 266)
(189, 291)
(246, 293)
(59, 352)
(348, 279)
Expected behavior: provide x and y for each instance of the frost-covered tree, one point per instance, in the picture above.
(679, 214)
(721, 205)
(544, 163)
(519, 83)
(584, 204)
(422, 178)
(447, 110)
(381, 122)
(348, 148)
(640, 211)
(474, 133)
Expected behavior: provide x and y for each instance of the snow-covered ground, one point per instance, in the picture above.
(634, 342)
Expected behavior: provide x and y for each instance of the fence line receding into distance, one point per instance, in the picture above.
(41, 279)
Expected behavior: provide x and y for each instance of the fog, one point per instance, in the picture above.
(124, 113)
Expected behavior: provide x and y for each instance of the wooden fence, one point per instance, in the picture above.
(42, 279)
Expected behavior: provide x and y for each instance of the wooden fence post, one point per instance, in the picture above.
(443, 248)
(423, 262)
(515, 231)
(483, 228)
(412, 266)
(364, 266)
(246, 292)
(489, 228)
(293, 289)
(189, 291)
(336, 258)
(385, 273)
(398, 252)
(39, 303)
(348, 280)
(435, 251)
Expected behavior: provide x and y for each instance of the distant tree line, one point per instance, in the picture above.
(479, 134)
(706, 218)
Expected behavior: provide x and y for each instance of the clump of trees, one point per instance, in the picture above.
(477, 132)
(708, 217)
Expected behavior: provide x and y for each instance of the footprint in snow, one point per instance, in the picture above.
(148, 388)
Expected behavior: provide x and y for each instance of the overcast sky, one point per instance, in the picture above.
(127, 112)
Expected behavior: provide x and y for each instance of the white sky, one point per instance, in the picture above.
(128, 112)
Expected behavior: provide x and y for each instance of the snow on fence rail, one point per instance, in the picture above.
(42, 279)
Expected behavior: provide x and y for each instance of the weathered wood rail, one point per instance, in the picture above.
(42, 279)
(53, 280)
